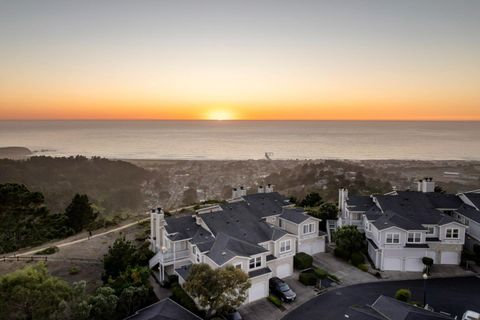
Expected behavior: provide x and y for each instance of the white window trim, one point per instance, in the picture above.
(452, 232)
(393, 234)
(310, 226)
(433, 230)
(289, 242)
(238, 264)
(414, 237)
(256, 260)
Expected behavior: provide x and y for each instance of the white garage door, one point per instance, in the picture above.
(312, 247)
(414, 264)
(256, 291)
(284, 270)
(449, 257)
(392, 264)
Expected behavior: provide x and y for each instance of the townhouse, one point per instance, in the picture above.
(402, 227)
(258, 233)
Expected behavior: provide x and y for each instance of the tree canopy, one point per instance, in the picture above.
(80, 213)
(327, 211)
(31, 293)
(312, 199)
(217, 290)
(348, 240)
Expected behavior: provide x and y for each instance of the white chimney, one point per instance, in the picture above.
(428, 185)
(342, 198)
(243, 191)
(260, 189)
(157, 224)
(269, 188)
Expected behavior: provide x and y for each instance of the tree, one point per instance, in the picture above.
(121, 255)
(312, 199)
(403, 295)
(217, 290)
(78, 307)
(104, 304)
(348, 239)
(327, 211)
(80, 213)
(31, 293)
(439, 189)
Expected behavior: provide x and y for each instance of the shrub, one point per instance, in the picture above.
(339, 252)
(333, 277)
(49, 250)
(403, 295)
(308, 278)
(320, 273)
(275, 300)
(73, 270)
(182, 298)
(363, 267)
(357, 259)
(302, 261)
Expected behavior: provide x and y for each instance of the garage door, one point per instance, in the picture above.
(284, 270)
(312, 247)
(449, 257)
(392, 264)
(256, 291)
(413, 264)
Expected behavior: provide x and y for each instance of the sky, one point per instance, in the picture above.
(326, 60)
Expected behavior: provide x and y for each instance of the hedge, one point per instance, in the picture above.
(302, 261)
(308, 278)
(49, 250)
(357, 258)
(342, 254)
(181, 297)
(320, 273)
(275, 300)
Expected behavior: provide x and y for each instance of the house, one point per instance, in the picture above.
(165, 309)
(469, 214)
(257, 233)
(387, 308)
(402, 227)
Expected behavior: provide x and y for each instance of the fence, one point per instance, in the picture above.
(47, 258)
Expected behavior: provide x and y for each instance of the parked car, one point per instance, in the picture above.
(281, 289)
(471, 315)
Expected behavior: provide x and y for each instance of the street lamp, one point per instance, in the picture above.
(425, 277)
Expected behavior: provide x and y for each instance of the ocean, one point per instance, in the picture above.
(220, 140)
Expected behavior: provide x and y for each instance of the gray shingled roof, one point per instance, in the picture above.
(182, 227)
(266, 204)
(295, 215)
(227, 247)
(373, 213)
(444, 200)
(469, 212)
(359, 203)
(165, 309)
(259, 272)
(392, 219)
(474, 198)
(393, 309)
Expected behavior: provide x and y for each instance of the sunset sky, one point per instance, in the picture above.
(401, 60)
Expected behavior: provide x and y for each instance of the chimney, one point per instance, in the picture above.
(342, 198)
(243, 191)
(157, 224)
(428, 185)
(269, 188)
(261, 189)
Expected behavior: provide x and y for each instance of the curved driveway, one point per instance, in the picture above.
(452, 295)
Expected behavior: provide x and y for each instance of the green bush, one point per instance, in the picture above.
(363, 267)
(302, 261)
(357, 259)
(49, 250)
(320, 273)
(308, 278)
(181, 297)
(403, 295)
(73, 270)
(275, 300)
(342, 254)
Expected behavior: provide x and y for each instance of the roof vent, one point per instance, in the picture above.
(223, 253)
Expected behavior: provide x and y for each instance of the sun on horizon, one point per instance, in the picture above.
(220, 115)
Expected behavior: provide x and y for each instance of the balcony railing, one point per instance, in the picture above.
(169, 256)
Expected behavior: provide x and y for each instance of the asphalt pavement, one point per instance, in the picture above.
(451, 295)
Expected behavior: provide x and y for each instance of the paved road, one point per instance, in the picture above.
(452, 295)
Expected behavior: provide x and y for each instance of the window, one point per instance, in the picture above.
(255, 262)
(238, 265)
(308, 228)
(414, 237)
(194, 249)
(430, 230)
(280, 222)
(285, 246)
(393, 238)
(452, 233)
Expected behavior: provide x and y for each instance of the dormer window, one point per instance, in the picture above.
(392, 238)
(452, 233)
(255, 262)
(414, 237)
(285, 246)
(309, 228)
